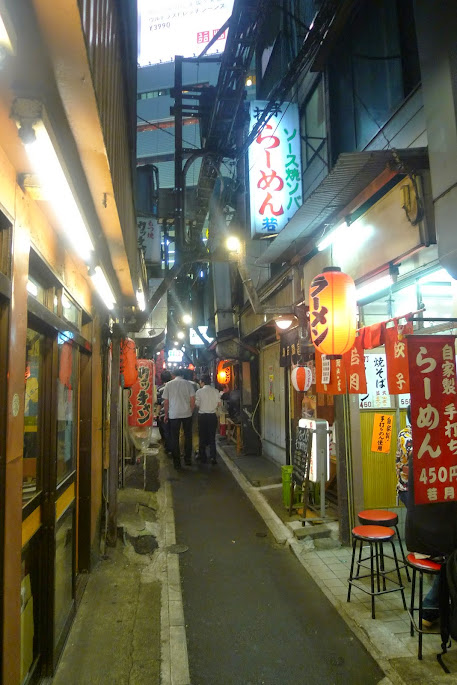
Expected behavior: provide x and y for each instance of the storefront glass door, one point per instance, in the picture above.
(49, 487)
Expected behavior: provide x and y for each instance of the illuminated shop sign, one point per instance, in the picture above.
(175, 356)
(274, 169)
(184, 27)
(195, 339)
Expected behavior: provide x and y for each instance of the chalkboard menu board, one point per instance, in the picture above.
(302, 454)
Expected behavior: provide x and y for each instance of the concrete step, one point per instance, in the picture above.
(301, 532)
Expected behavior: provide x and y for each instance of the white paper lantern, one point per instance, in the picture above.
(302, 378)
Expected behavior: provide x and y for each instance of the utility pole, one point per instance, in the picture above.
(179, 180)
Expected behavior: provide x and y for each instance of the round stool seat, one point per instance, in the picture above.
(379, 517)
(373, 533)
(423, 565)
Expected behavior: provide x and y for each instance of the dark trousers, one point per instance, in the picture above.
(175, 426)
(207, 426)
(164, 430)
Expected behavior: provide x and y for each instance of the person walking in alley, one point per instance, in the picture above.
(207, 399)
(164, 428)
(179, 401)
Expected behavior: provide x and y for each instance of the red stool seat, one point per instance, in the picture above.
(424, 565)
(384, 517)
(373, 533)
(379, 576)
(379, 517)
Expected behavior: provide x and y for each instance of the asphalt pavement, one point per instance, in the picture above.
(253, 614)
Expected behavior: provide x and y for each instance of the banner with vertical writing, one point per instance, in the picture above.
(433, 417)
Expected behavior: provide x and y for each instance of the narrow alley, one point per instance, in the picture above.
(254, 616)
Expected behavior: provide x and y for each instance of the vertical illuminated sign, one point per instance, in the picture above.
(274, 169)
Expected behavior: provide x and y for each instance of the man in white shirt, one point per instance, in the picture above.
(179, 401)
(207, 400)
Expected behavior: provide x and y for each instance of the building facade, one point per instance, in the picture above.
(69, 266)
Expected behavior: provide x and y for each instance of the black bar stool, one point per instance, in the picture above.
(420, 566)
(383, 517)
(375, 536)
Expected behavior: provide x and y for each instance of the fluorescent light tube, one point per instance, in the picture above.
(140, 299)
(46, 165)
(374, 287)
(332, 236)
(103, 288)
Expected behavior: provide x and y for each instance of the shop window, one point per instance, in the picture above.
(313, 127)
(63, 572)
(372, 70)
(36, 290)
(31, 469)
(438, 294)
(41, 282)
(66, 408)
(70, 311)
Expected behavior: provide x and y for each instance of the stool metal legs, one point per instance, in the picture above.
(412, 625)
(402, 551)
(376, 557)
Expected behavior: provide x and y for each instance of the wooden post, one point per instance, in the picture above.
(113, 475)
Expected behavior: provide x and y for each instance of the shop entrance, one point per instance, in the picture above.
(51, 414)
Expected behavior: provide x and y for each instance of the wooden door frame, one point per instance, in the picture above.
(4, 316)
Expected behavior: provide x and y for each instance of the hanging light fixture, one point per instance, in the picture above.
(284, 321)
(332, 305)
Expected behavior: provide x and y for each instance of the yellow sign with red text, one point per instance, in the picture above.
(382, 433)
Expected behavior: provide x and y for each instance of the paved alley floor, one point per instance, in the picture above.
(253, 615)
(116, 636)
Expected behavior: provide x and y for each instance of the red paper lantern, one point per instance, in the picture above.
(332, 306)
(302, 378)
(128, 362)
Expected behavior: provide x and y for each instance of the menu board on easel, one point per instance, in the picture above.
(301, 455)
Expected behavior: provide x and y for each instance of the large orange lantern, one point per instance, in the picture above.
(332, 311)
(223, 373)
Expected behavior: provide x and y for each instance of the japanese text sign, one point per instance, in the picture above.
(397, 358)
(184, 27)
(149, 238)
(335, 376)
(433, 417)
(274, 168)
(377, 396)
(141, 396)
(354, 364)
(382, 433)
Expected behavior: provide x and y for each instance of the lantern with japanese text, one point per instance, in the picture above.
(332, 307)
(128, 362)
(223, 373)
(302, 378)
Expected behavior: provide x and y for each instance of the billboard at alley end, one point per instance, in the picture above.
(180, 27)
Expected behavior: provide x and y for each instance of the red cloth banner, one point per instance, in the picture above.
(337, 385)
(354, 365)
(141, 395)
(372, 336)
(397, 357)
(434, 417)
